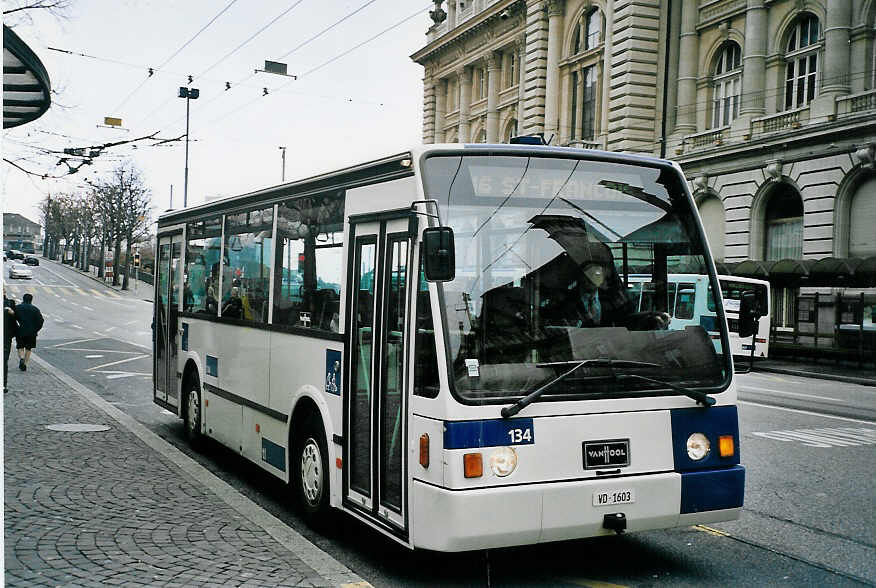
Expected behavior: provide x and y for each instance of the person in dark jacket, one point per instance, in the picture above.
(9, 328)
(30, 321)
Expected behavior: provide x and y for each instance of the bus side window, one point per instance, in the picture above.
(247, 264)
(686, 300)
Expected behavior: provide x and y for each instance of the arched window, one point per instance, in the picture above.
(712, 213)
(510, 130)
(482, 136)
(784, 224)
(801, 61)
(862, 219)
(726, 85)
(583, 102)
(589, 32)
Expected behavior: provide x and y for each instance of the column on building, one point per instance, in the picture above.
(837, 35)
(440, 109)
(556, 10)
(604, 81)
(535, 67)
(688, 59)
(520, 47)
(464, 80)
(428, 110)
(859, 57)
(493, 62)
(451, 15)
(754, 61)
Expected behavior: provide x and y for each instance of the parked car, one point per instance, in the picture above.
(30, 259)
(19, 270)
(15, 254)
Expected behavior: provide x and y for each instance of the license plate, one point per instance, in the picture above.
(604, 454)
(610, 497)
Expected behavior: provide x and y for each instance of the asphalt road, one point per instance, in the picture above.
(809, 446)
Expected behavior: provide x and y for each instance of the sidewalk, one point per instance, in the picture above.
(120, 506)
(824, 370)
(143, 291)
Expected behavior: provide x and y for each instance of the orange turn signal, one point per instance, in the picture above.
(339, 463)
(424, 450)
(473, 465)
(726, 445)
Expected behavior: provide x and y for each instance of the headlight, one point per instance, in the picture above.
(503, 461)
(697, 446)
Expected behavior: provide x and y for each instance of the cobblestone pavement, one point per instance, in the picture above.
(104, 508)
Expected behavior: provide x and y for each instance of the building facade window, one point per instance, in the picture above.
(726, 85)
(481, 83)
(784, 224)
(712, 213)
(583, 116)
(510, 69)
(862, 219)
(588, 33)
(801, 62)
(451, 100)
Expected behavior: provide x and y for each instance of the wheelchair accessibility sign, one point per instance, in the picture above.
(333, 372)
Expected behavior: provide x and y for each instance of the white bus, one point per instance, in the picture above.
(440, 344)
(690, 302)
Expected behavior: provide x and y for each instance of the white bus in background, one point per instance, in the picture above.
(405, 341)
(690, 302)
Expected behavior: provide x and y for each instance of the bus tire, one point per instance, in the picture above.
(193, 412)
(310, 471)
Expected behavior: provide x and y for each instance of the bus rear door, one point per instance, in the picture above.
(375, 428)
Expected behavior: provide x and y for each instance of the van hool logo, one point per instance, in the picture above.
(606, 453)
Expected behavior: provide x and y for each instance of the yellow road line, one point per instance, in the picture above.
(711, 531)
(593, 583)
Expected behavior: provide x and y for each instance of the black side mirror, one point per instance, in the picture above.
(440, 254)
(748, 315)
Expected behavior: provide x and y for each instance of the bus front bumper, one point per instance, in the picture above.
(462, 520)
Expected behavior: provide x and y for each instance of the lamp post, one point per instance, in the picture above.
(283, 158)
(188, 94)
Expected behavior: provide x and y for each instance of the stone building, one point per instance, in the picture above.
(20, 233)
(768, 105)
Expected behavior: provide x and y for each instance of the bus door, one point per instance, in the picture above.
(374, 408)
(166, 322)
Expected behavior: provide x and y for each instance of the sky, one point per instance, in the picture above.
(357, 97)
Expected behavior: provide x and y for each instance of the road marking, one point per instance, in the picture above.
(92, 356)
(592, 583)
(58, 275)
(108, 329)
(824, 437)
(97, 367)
(807, 412)
(76, 326)
(786, 393)
(73, 342)
(711, 531)
(118, 375)
(101, 350)
(88, 308)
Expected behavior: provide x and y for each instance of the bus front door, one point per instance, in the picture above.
(166, 321)
(375, 427)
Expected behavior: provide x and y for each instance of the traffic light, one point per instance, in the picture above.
(136, 260)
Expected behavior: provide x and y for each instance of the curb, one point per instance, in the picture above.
(321, 562)
(817, 375)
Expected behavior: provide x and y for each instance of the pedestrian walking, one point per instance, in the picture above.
(30, 321)
(9, 328)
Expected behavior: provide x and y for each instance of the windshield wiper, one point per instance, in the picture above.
(700, 397)
(510, 411)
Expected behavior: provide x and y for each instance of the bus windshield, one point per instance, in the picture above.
(544, 250)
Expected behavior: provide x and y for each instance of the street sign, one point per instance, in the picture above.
(111, 121)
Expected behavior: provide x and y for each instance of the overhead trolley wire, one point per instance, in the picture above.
(324, 64)
(175, 53)
(253, 36)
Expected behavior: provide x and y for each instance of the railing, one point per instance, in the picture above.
(791, 119)
(704, 140)
(855, 103)
(581, 144)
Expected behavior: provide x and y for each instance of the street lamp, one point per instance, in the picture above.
(188, 94)
(283, 158)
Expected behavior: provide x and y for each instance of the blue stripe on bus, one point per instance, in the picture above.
(491, 433)
(273, 454)
(711, 422)
(712, 489)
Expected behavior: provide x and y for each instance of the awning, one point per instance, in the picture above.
(835, 272)
(26, 85)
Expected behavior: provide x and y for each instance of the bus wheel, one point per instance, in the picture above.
(311, 470)
(193, 412)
